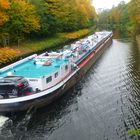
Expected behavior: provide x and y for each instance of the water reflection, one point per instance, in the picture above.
(104, 105)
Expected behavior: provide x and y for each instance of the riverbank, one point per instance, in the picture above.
(10, 54)
(138, 40)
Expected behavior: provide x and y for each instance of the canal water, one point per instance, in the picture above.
(104, 105)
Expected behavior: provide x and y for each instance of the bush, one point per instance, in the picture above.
(78, 34)
(7, 54)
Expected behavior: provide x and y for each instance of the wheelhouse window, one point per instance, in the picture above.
(66, 67)
(49, 79)
(56, 75)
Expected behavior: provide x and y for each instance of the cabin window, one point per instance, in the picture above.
(66, 67)
(56, 74)
(49, 79)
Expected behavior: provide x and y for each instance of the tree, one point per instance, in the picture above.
(4, 17)
(86, 14)
(4, 5)
(71, 14)
(134, 14)
(41, 18)
(22, 19)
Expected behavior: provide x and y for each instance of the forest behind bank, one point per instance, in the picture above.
(124, 18)
(29, 19)
(36, 19)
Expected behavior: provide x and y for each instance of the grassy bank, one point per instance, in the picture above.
(12, 53)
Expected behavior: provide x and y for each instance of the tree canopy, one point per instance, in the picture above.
(39, 18)
(134, 14)
(124, 17)
(4, 5)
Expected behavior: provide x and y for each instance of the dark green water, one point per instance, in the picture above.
(104, 105)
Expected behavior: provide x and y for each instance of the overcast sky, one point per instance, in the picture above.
(106, 3)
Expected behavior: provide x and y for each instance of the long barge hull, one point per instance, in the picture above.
(46, 97)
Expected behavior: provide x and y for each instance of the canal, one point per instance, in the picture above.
(104, 105)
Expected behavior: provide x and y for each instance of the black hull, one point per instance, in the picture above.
(49, 98)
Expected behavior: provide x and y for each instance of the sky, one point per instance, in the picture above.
(106, 3)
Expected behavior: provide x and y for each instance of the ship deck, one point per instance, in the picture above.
(29, 69)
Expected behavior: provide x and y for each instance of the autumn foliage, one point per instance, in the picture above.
(7, 54)
(21, 19)
(124, 18)
(4, 5)
(134, 14)
(17, 19)
(76, 35)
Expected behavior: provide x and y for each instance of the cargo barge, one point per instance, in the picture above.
(38, 80)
